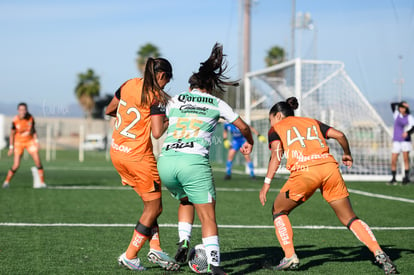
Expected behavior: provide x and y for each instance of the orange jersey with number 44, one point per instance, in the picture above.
(303, 143)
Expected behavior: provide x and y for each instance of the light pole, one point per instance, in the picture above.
(304, 22)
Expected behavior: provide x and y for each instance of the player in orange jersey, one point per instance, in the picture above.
(301, 141)
(139, 108)
(23, 136)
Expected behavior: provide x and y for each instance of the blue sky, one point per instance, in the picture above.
(45, 44)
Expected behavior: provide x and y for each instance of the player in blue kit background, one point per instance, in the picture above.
(237, 140)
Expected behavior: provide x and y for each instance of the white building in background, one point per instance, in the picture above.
(2, 133)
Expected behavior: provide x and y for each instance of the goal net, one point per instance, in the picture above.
(325, 92)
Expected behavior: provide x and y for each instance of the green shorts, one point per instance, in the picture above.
(187, 175)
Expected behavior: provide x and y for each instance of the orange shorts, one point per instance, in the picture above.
(141, 175)
(302, 184)
(31, 146)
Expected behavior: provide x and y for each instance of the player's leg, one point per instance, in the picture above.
(169, 169)
(250, 166)
(206, 214)
(229, 163)
(197, 180)
(148, 187)
(185, 225)
(396, 150)
(336, 194)
(362, 231)
(34, 153)
(406, 157)
(282, 206)
(18, 152)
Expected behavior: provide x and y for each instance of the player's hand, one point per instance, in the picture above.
(10, 152)
(347, 160)
(263, 193)
(246, 148)
(227, 144)
(404, 135)
(262, 139)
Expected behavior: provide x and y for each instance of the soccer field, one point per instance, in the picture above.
(85, 220)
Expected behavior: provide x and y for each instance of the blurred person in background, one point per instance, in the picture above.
(401, 140)
(23, 136)
(234, 144)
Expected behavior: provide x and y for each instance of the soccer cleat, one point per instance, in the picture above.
(182, 251)
(133, 264)
(215, 270)
(392, 182)
(162, 259)
(227, 177)
(405, 181)
(5, 185)
(291, 263)
(40, 185)
(387, 265)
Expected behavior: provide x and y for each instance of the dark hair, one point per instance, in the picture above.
(287, 107)
(402, 105)
(210, 74)
(22, 104)
(151, 86)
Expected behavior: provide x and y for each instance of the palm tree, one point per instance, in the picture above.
(275, 56)
(86, 90)
(147, 50)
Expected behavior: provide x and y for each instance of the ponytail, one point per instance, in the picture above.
(210, 75)
(151, 88)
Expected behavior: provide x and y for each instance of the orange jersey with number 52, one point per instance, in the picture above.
(131, 137)
(303, 142)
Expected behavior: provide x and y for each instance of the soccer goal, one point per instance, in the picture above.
(325, 92)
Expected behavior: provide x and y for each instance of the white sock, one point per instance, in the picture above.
(184, 231)
(212, 247)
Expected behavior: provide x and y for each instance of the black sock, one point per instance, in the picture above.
(407, 173)
(393, 174)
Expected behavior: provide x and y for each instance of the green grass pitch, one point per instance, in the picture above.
(71, 229)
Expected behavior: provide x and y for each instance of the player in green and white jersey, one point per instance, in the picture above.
(184, 166)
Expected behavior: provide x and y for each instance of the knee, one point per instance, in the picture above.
(278, 214)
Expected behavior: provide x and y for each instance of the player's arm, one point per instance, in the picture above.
(33, 132)
(259, 136)
(343, 141)
(410, 127)
(225, 134)
(159, 124)
(394, 106)
(159, 121)
(274, 163)
(112, 107)
(245, 130)
(11, 140)
(226, 142)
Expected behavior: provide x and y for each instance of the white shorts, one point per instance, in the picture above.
(401, 146)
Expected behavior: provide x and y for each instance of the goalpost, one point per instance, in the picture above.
(325, 92)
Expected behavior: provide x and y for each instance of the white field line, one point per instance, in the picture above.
(196, 225)
(368, 194)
